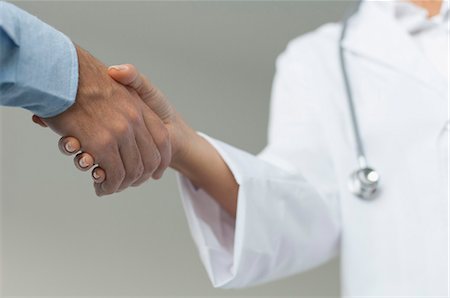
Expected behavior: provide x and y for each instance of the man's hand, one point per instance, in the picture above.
(111, 122)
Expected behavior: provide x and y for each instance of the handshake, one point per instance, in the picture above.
(121, 124)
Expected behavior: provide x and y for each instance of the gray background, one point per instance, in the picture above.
(215, 60)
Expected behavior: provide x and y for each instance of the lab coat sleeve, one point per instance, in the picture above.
(284, 224)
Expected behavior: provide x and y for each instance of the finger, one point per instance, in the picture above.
(69, 145)
(132, 161)
(98, 189)
(84, 161)
(38, 120)
(112, 164)
(149, 154)
(160, 137)
(98, 175)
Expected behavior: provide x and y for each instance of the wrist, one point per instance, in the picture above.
(184, 140)
(93, 79)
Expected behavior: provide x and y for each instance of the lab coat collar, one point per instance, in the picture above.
(415, 18)
(376, 35)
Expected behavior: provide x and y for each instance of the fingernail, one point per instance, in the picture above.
(118, 67)
(83, 162)
(69, 147)
(95, 175)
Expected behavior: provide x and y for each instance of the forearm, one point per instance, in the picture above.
(204, 167)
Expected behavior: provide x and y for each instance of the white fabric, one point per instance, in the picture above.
(294, 208)
(430, 34)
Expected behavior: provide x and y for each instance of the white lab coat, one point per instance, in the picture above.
(294, 207)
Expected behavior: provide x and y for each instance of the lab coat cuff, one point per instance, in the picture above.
(227, 249)
(212, 228)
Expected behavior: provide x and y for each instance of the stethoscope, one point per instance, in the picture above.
(364, 181)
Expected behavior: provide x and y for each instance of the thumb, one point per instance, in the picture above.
(38, 120)
(128, 75)
(125, 74)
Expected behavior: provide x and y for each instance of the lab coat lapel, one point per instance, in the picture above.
(375, 34)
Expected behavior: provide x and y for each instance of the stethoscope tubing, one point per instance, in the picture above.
(364, 180)
(362, 160)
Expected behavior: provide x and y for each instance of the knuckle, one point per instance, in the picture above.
(134, 117)
(122, 128)
(105, 141)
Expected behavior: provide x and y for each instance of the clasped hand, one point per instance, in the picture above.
(119, 122)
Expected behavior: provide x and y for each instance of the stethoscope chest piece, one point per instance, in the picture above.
(363, 183)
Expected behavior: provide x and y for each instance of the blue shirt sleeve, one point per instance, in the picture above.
(38, 64)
